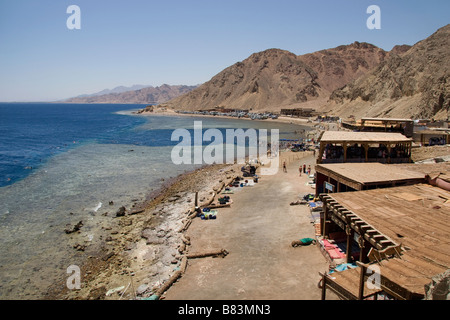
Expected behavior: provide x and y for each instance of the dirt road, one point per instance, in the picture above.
(257, 231)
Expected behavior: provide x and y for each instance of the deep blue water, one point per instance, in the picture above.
(32, 133)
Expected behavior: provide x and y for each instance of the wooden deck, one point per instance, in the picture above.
(415, 217)
(358, 175)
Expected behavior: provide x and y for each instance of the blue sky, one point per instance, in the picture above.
(181, 42)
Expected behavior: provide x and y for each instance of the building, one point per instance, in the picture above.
(404, 126)
(342, 177)
(432, 137)
(298, 112)
(403, 231)
(346, 146)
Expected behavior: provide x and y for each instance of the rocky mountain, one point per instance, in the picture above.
(338, 66)
(147, 95)
(411, 83)
(275, 78)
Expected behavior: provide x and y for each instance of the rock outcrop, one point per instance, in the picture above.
(411, 83)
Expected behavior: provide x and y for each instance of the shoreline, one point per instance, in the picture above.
(143, 248)
(315, 128)
(281, 119)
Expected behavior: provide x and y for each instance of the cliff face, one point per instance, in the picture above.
(265, 79)
(149, 95)
(409, 84)
(338, 66)
(274, 78)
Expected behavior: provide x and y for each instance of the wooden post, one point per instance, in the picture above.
(361, 246)
(389, 153)
(325, 217)
(349, 233)
(410, 151)
(321, 150)
(344, 144)
(196, 198)
(366, 149)
(324, 288)
(361, 282)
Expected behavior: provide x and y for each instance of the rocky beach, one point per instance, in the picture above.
(142, 247)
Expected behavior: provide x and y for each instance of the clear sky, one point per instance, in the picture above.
(126, 42)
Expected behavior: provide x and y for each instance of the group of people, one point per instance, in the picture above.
(300, 169)
(437, 141)
(304, 169)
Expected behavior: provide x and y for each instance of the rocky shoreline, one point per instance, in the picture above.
(142, 247)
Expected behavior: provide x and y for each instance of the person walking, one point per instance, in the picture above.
(300, 170)
(284, 166)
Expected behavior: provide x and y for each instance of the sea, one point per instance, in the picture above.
(64, 163)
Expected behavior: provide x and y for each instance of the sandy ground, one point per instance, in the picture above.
(257, 231)
(424, 153)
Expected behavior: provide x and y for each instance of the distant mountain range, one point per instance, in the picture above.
(137, 94)
(119, 89)
(358, 80)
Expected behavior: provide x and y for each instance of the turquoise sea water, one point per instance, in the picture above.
(62, 163)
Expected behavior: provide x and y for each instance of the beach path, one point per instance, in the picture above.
(257, 231)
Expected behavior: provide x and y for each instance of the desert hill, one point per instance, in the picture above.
(411, 84)
(148, 95)
(275, 78)
(338, 66)
(359, 79)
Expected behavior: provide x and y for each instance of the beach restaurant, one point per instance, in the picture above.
(342, 177)
(346, 146)
(403, 231)
(404, 126)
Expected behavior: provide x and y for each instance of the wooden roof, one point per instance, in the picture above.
(358, 137)
(387, 119)
(368, 172)
(441, 169)
(417, 217)
(444, 132)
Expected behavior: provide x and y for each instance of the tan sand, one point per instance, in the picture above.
(257, 231)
